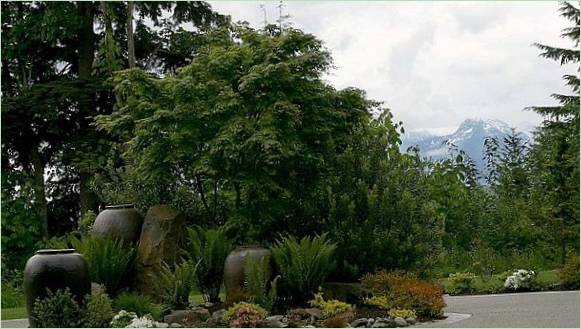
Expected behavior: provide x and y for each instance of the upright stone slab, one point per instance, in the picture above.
(161, 237)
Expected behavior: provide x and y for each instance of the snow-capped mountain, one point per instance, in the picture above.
(469, 137)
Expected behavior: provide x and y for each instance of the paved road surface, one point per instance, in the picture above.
(535, 309)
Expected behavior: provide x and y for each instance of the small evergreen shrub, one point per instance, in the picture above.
(99, 311)
(397, 313)
(380, 301)
(461, 283)
(569, 274)
(259, 289)
(138, 304)
(303, 265)
(208, 250)
(58, 310)
(407, 292)
(332, 308)
(245, 315)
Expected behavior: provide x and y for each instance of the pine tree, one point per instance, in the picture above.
(555, 154)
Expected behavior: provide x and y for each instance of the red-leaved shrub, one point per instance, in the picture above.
(407, 292)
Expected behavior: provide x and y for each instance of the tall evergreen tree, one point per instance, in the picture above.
(556, 151)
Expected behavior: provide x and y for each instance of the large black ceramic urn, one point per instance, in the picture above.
(122, 222)
(234, 268)
(55, 269)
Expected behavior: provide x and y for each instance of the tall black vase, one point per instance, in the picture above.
(55, 269)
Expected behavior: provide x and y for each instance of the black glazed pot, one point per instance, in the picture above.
(122, 222)
(55, 269)
(234, 269)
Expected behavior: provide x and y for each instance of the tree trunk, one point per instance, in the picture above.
(86, 58)
(39, 190)
(130, 41)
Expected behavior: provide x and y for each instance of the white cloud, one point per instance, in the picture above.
(433, 63)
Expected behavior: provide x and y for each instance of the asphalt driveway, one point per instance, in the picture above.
(558, 309)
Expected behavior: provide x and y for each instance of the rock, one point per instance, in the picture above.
(411, 320)
(175, 325)
(275, 321)
(383, 323)
(218, 316)
(370, 322)
(400, 322)
(359, 323)
(161, 238)
(308, 312)
(161, 325)
(179, 316)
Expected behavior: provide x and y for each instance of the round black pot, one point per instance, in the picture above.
(234, 269)
(55, 269)
(122, 222)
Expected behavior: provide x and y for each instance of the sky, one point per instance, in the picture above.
(434, 64)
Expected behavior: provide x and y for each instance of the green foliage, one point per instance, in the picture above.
(11, 296)
(303, 265)
(257, 285)
(397, 313)
(332, 308)
(208, 250)
(176, 284)
(99, 310)
(86, 222)
(245, 315)
(569, 274)
(380, 301)
(58, 310)
(461, 283)
(110, 261)
(137, 303)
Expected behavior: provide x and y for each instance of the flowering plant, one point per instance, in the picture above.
(519, 279)
(123, 319)
(245, 315)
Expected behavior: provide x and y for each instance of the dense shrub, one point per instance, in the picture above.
(397, 313)
(407, 292)
(208, 250)
(137, 303)
(461, 283)
(245, 315)
(259, 288)
(176, 284)
(110, 261)
(11, 295)
(303, 265)
(58, 310)
(99, 310)
(520, 280)
(569, 274)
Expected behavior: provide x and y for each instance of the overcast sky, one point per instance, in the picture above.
(433, 63)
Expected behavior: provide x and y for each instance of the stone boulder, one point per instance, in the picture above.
(161, 237)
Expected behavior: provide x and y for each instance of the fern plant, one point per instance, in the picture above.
(176, 284)
(208, 249)
(303, 265)
(110, 261)
(259, 288)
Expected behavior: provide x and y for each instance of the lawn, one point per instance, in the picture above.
(13, 313)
